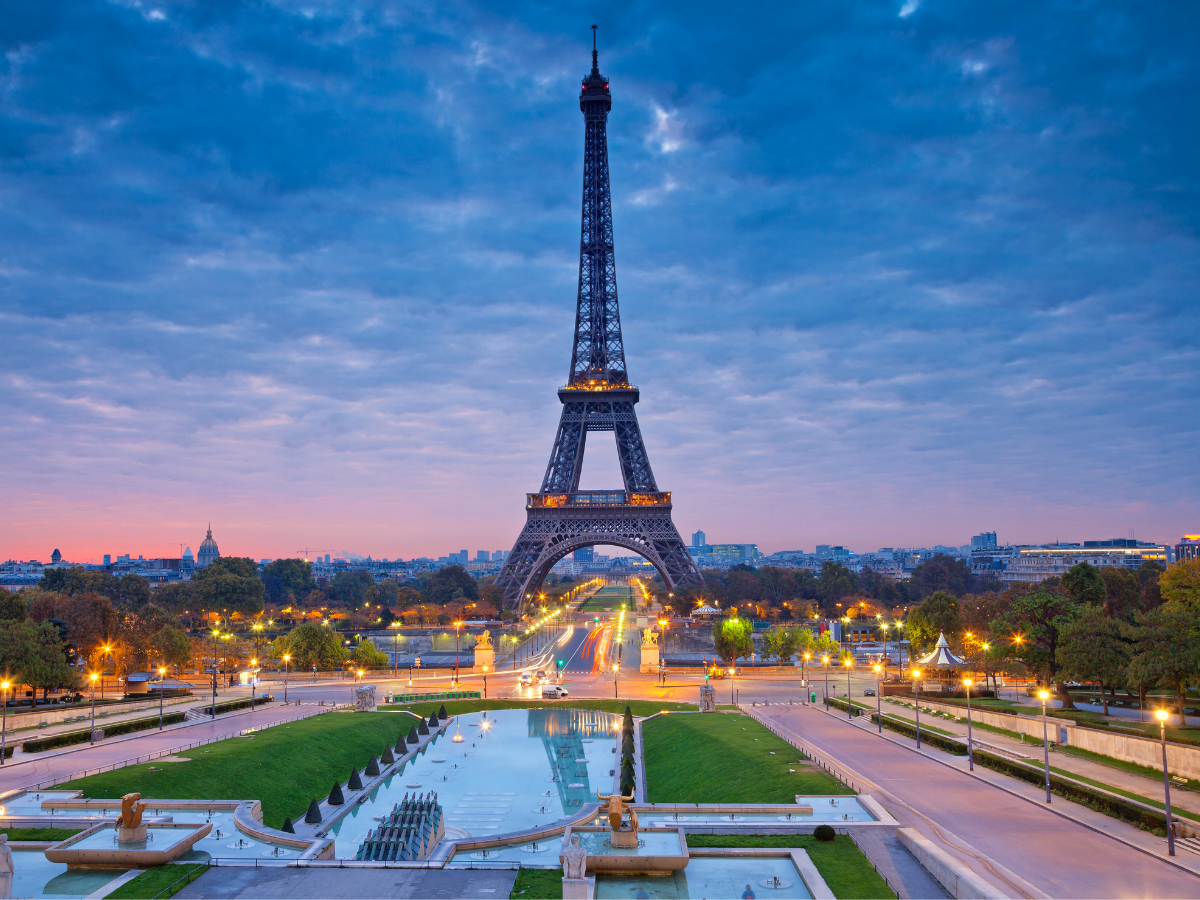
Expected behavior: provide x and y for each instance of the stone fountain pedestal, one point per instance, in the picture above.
(579, 888)
(128, 835)
(626, 837)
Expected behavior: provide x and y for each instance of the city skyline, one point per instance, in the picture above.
(889, 274)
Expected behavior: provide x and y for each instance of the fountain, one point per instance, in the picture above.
(135, 845)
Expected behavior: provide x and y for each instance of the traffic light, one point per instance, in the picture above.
(560, 663)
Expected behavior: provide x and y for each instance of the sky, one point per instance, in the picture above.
(891, 273)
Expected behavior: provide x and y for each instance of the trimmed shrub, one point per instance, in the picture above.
(59, 740)
(336, 797)
(288, 826)
(231, 705)
(627, 744)
(421, 729)
(372, 770)
(627, 780)
(433, 721)
(143, 724)
(412, 733)
(387, 757)
(400, 742)
(441, 713)
(824, 833)
(355, 783)
(313, 816)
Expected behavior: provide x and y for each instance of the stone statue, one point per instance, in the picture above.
(6, 867)
(131, 811)
(574, 860)
(364, 698)
(708, 698)
(649, 638)
(484, 640)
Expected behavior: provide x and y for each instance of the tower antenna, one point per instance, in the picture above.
(595, 55)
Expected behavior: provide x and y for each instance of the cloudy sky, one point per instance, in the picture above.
(891, 273)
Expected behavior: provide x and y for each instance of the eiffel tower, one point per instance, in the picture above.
(597, 397)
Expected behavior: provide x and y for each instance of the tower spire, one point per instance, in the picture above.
(595, 55)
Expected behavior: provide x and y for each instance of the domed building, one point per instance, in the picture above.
(208, 550)
(188, 563)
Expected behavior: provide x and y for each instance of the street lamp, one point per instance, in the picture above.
(162, 671)
(879, 695)
(616, 674)
(4, 685)
(93, 678)
(804, 671)
(732, 672)
(1162, 715)
(253, 682)
(916, 674)
(825, 663)
(1044, 695)
(286, 657)
(848, 663)
(485, 682)
(457, 626)
(967, 682)
(107, 652)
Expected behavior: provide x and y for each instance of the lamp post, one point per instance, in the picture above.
(485, 682)
(93, 678)
(1162, 715)
(162, 671)
(1044, 695)
(967, 682)
(253, 682)
(916, 674)
(286, 657)
(879, 696)
(457, 626)
(3, 719)
(732, 672)
(616, 674)
(804, 671)
(107, 652)
(825, 663)
(848, 663)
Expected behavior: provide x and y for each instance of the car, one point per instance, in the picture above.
(542, 677)
(869, 692)
(556, 691)
(526, 679)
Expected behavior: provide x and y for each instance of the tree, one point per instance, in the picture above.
(367, 657)
(732, 638)
(781, 643)
(1032, 625)
(351, 589)
(136, 631)
(294, 576)
(835, 582)
(12, 607)
(230, 585)
(1095, 647)
(1148, 574)
(171, 647)
(1123, 592)
(91, 619)
(34, 654)
(1180, 584)
(1166, 649)
(311, 644)
(386, 592)
(449, 583)
(937, 614)
(1083, 584)
(941, 573)
(491, 599)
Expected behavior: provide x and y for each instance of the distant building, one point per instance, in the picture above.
(985, 541)
(585, 555)
(208, 550)
(1188, 548)
(698, 539)
(482, 556)
(499, 555)
(108, 557)
(55, 557)
(829, 551)
(1036, 564)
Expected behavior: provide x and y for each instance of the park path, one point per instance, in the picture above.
(21, 773)
(1038, 853)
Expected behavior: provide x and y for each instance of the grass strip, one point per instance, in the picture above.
(537, 884)
(1157, 804)
(161, 881)
(726, 759)
(845, 869)
(1132, 768)
(40, 834)
(640, 708)
(284, 767)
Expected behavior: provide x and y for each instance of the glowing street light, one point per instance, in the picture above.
(967, 682)
(162, 671)
(848, 663)
(879, 695)
(1162, 715)
(4, 686)
(286, 657)
(916, 674)
(825, 662)
(1044, 695)
(93, 678)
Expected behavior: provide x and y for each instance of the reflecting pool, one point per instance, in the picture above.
(515, 770)
(712, 877)
(36, 876)
(824, 809)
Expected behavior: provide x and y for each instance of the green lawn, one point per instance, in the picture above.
(284, 767)
(538, 884)
(161, 881)
(848, 873)
(639, 708)
(40, 834)
(725, 759)
(601, 604)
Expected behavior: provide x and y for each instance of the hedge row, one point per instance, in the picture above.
(68, 738)
(231, 705)
(59, 740)
(143, 724)
(1117, 807)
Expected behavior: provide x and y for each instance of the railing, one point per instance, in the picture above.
(158, 754)
(599, 498)
(412, 697)
(891, 886)
(828, 765)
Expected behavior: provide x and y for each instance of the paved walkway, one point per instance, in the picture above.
(1022, 848)
(350, 884)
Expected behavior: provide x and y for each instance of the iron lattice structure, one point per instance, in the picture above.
(596, 397)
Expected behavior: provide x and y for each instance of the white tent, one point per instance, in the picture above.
(941, 657)
(706, 610)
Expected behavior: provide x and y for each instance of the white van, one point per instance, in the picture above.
(554, 691)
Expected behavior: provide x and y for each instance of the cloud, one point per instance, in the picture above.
(312, 273)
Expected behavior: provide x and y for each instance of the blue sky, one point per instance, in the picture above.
(891, 273)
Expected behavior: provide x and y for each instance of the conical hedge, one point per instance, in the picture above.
(433, 721)
(336, 798)
(355, 783)
(372, 770)
(387, 757)
(288, 826)
(313, 816)
(412, 733)
(442, 712)
(423, 728)
(400, 744)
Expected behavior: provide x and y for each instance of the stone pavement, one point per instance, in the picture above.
(895, 862)
(349, 883)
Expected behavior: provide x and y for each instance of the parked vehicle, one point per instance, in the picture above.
(869, 692)
(554, 691)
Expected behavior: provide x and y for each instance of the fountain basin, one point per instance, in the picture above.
(659, 850)
(98, 847)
